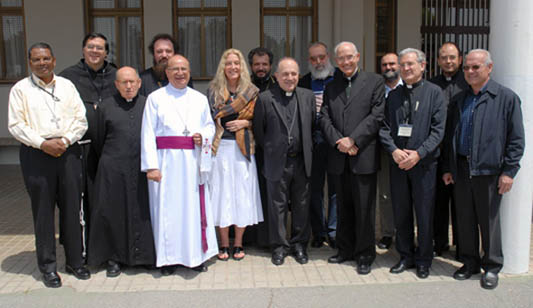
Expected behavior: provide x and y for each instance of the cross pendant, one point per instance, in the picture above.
(290, 139)
(55, 120)
(186, 132)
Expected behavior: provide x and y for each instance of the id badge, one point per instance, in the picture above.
(405, 130)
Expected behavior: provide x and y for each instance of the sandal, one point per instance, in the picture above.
(237, 250)
(223, 251)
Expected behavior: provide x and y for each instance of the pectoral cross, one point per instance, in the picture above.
(55, 120)
(290, 139)
(186, 132)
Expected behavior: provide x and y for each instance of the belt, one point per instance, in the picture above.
(294, 154)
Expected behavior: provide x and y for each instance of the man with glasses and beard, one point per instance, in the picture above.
(162, 47)
(390, 70)
(321, 72)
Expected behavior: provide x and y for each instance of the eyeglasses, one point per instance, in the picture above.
(177, 69)
(97, 47)
(345, 58)
(317, 58)
(471, 67)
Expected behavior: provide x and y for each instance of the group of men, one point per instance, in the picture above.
(108, 157)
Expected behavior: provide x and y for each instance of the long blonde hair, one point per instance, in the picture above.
(219, 84)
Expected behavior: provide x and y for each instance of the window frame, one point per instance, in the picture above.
(289, 11)
(392, 32)
(117, 13)
(202, 12)
(12, 11)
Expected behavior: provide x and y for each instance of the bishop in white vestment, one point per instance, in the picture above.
(176, 136)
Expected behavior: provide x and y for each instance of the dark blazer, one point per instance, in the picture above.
(498, 138)
(271, 134)
(358, 117)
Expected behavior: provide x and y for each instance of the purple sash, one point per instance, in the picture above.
(186, 143)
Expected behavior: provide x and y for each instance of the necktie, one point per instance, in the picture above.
(349, 87)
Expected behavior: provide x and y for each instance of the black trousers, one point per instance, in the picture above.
(50, 181)
(322, 224)
(258, 235)
(293, 187)
(410, 189)
(478, 204)
(444, 202)
(356, 215)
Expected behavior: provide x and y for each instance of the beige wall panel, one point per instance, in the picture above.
(157, 19)
(409, 22)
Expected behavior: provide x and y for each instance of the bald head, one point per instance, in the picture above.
(287, 74)
(178, 71)
(127, 82)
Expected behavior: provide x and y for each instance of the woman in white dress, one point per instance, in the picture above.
(234, 187)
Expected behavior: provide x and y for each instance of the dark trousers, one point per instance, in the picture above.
(444, 201)
(293, 187)
(410, 189)
(321, 226)
(51, 180)
(258, 234)
(356, 215)
(478, 204)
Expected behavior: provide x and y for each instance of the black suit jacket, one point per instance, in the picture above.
(271, 134)
(358, 117)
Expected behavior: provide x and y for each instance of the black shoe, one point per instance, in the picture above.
(401, 267)
(202, 268)
(168, 270)
(113, 269)
(385, 242)
(317, 242)
(300, 256)
(363, 268)
(51, 280)
(332, 242)
(422, 271)
(489, 280)
(278, 257)
(81, 272)
(464, 273)
(338, 258)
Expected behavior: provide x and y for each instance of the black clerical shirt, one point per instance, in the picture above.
(289, 112)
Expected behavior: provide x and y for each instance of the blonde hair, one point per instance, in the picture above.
(218, 85)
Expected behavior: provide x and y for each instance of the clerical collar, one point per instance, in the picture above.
(173, 88)
(414, 85)
(287, 94)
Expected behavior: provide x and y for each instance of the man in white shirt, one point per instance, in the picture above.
(47, 116)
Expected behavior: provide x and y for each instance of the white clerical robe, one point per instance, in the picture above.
(175, 201)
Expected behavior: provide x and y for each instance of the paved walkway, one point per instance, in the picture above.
(19, 272)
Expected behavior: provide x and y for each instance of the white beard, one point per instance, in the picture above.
(323, 73)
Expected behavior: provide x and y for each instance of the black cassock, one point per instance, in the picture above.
(121, 228)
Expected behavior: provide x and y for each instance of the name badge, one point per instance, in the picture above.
(405, 130)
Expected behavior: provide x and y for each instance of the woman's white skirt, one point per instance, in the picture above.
(234, 187)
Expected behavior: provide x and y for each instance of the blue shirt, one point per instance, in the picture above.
(467, 115)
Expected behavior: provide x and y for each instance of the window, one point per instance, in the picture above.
(466, 23)
(386, 29)
(121, 22)
(288, 27)
(203, 29)
(12, 41)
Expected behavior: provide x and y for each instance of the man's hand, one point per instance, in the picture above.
(154, 175)
(344, 144)
(412, 159)
(54, 147)
(447, 178)
(399, 156)
(235, 125)
(505, 183)
(197, 138)
(353, 150)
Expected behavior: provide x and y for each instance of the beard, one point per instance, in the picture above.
(321, 72)
(391, 75)
(159, 68)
